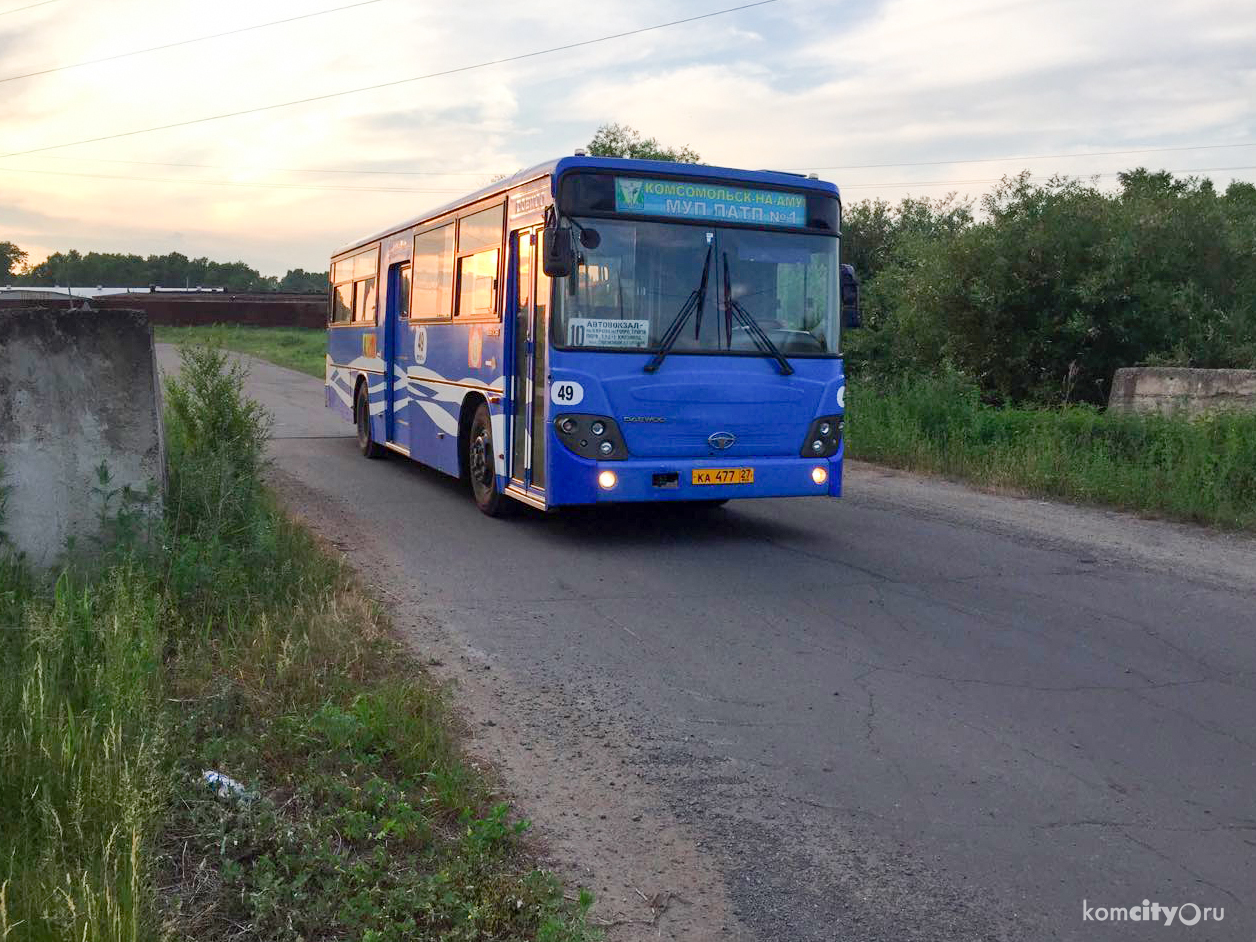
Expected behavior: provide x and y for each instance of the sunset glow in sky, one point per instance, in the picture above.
(836, 87)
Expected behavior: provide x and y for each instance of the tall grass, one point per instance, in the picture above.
(1201, 469)
(83, 754)
(232, 642)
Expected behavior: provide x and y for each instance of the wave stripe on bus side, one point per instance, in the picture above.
(343, 381)
(422, 387)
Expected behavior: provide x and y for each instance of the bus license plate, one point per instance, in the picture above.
(723, 476)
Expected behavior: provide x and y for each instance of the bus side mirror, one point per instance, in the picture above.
(852, 317)
(559, 253)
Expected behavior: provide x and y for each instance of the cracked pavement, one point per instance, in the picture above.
(918, 713)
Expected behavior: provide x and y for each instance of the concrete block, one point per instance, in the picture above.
(77, 388)
(1175, 389)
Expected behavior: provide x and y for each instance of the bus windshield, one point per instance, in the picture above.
(632, 277)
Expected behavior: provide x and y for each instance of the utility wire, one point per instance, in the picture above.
(405, 81)
(985, 160)
(267, 186)
(30, 6)
(182, 42)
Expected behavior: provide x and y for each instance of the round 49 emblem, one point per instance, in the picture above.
(566, 393)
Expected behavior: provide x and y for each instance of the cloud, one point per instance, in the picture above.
(795, 84)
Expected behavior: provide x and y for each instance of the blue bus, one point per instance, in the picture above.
(602, 330)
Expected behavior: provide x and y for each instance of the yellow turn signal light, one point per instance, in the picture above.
(607, 480)
(820, 474)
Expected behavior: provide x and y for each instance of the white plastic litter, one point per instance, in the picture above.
(224, 786)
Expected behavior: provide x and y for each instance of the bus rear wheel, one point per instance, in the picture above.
(481, 467)
(362, 416)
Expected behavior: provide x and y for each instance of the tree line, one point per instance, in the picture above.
(1040, 291)
(175, 270)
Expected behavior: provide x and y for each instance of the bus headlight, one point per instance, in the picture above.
(820, 474)
(607, 480)
(591, 436)
(824, 438)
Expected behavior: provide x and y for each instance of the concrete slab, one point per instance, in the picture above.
(1173, 389)
(77, 389)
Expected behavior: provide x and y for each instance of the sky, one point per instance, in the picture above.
(886, 98)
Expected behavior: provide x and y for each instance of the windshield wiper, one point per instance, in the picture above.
(695, 302)
(760, 337)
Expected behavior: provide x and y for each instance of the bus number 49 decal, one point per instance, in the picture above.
(566, 393)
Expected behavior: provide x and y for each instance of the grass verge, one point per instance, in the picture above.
(231, 642)
(1203, 469)
(297, 348)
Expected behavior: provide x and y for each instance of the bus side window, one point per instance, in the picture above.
(353, 288)
(479, 249)
(477, 285)
(364, 300)
(433, 272)
(402, 304)
(342, 303)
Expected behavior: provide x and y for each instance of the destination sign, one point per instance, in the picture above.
(713, 202)
(607, 332)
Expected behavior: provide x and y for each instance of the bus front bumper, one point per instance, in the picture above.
(580, 481)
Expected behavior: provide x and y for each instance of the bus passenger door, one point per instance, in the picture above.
(540, 347)
(527, 449)
(397, 356)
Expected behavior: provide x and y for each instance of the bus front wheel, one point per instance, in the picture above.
(481, 467)
(362, 416)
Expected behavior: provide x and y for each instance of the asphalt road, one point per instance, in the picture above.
(915, 713)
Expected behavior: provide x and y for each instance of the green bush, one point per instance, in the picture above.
(1054, 286)
(215, 440)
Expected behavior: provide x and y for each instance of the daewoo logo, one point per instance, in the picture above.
(722, 440)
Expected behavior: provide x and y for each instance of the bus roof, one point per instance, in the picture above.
(556, 168)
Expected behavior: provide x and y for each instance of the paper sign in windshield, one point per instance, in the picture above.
(709, 201)
(607, 332)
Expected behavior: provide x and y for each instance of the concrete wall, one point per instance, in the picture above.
(259, 310)
(76, 389)
(1172, 389)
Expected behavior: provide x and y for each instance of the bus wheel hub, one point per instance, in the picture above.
(481, 469)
